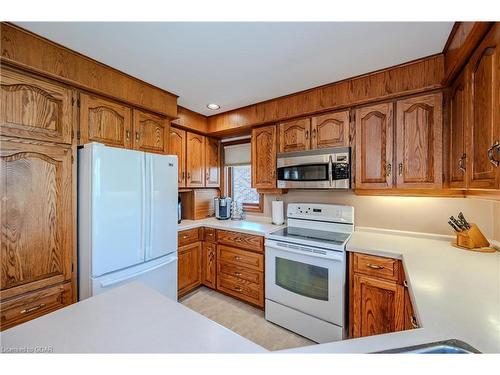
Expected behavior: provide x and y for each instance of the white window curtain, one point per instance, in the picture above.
(237, 155)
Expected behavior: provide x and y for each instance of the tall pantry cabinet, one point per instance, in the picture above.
(37, 196)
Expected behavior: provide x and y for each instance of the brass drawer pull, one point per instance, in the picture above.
(237, 288)
(136, 136)
(389, 169)
(400, 169)
(185, 237)
(236, 257)
(34, 308)
(238, 239)
(375, 266)
(237, 274)
(461, 162)
(405, 284)
(491, 158)
(128, 134)
(414, 322)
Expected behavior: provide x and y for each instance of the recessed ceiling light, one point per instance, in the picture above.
(213, 106)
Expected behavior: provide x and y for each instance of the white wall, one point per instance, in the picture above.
(418, 214)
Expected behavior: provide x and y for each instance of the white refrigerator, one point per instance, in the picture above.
(127, 219)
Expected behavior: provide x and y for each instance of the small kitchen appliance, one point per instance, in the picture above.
(222, 207)
(305, 270)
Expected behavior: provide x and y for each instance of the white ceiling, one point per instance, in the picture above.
(237, 64)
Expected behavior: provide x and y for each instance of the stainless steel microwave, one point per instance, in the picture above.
(328, 168)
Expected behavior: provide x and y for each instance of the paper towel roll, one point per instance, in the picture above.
(278, 212)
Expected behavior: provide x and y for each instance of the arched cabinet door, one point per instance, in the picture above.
(177, 147)
(195, 160)
(37, 211)
(34, 108)
(264, 157)
(150, 132)
(295, 135)
(212, 162)
(330, 130)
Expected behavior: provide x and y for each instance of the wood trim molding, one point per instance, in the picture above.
(405, 79)
(190, 120)
(26, 50)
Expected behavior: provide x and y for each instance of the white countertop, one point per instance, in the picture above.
(129, 319)
(456, 293)
(251, 225)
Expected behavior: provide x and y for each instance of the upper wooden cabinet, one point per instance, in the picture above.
(264, 157)
(37, 215)
(330, 130)
(151, 132)
(374, 138)
(212, 162)
(484, 153)
(35, 108)
(105, 121)
(457, 134)
(177, 147)
(295, 135)
(195, 160)
(419, 142)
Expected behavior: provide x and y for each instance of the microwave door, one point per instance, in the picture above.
(305, 176)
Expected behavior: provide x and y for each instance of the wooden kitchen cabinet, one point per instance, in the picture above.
(419, 142)
(330, 130)
(295, 135)
(189, 267)
(374, 143)
(105, 121)
(212, 162)
(35, 108)
(264, 157)
(195, 160)
(151, 132)
(177, 146)
(209, 264)
(458, 104)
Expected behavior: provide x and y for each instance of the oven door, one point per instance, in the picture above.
(312, 284)
(313, 171)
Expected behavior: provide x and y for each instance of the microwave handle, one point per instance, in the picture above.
(330, 171)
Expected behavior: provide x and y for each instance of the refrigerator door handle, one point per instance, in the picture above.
(117, 280)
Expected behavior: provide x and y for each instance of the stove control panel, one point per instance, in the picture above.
(321, 212)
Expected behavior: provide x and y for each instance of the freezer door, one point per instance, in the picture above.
(162, 205)
(118, 207)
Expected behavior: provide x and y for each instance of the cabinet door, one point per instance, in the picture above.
(264, 157)
(419, 142)
(195, 160)
(209, 265)
(212, 162)
(374, 137)
(105, 121)
(189, 268)
(150, 132)
(33, 108)
(410, 319)
(330, 130)
(485, 114)
(295, 135)
(457, 134)
(377, 306)
(178, 147)
(37, 210)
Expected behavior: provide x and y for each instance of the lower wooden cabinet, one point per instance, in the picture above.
(189, 268)
(209, 264)
(379, 298)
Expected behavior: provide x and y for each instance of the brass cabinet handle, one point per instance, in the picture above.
(314, 133)
(183, 175)
(405, 283)
(375, 266)
(208, 175)
(307, 134)
(136, 136)
(185, 237)
(34, 308)
(236, 257)
(461, 162)
(237, 288)
(414, 322)
(389, 169)
(237, 274)
(189, 176)
(494, 147)
(400, 169)
(127, 134)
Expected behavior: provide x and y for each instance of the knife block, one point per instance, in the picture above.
(473, 239)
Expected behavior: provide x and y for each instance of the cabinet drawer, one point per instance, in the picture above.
(32, 305)
(245, 290)
(385, 268)
(209, 235)
(241, 272)
(243, 240)
(240, 257)
(188, 236)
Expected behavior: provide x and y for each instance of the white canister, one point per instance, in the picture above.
(278, 213)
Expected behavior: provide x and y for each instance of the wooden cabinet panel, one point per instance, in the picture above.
(240, 257)
(212, 162)
(240, 288)
(105, 121)
(37, 215)
(151, 132)
(177, 146)
(188, 236)
(410, 319)
(458, 133)
(381, 267)
(209, 234)
(485, 114)
(243, 240)
(28, 306)
(189, 268)
(374, 138)
(330, 130)
(195, 160)
(377, 306)
(419, 142)
(209, 266)
(264, 157)
(35, 108)
(256, 277)
(295, 135)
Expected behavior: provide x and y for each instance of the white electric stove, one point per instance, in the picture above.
(305, 270)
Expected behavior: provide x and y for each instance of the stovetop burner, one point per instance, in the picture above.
(314, 235)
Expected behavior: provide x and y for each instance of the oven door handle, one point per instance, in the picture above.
(303, 250)
(330, 171)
